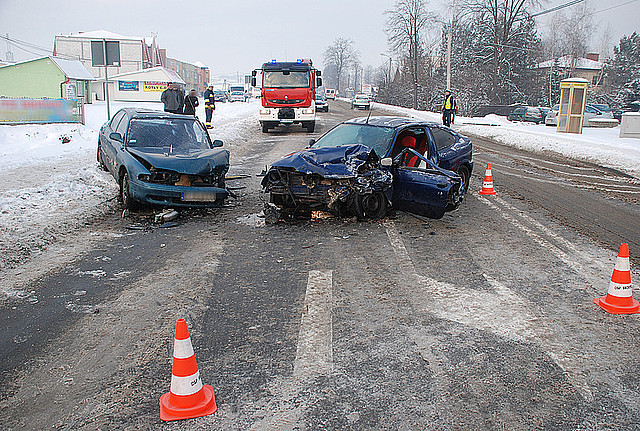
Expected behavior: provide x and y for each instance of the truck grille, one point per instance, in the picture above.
(286, 114)
(286, 101)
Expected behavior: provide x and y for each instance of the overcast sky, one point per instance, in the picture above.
(238, 35)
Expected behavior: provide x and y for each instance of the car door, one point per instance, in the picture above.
(115, 146)
(107, 143)
(422, 191)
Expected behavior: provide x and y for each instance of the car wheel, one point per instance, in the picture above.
(464, 174)
(372, 205)
(265, 128)
(310, 126)
(101, 162)
(125, 192)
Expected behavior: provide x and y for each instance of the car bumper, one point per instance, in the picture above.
(361, 106)
(274, 115)
(182, 196)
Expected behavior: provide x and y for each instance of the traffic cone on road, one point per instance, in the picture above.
(487, 185)
(619, 298)
(188, 397)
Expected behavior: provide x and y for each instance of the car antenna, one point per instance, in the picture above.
(367, 122)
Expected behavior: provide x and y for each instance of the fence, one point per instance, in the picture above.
(28, 111)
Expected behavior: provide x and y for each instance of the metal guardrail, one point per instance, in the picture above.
(33, 111)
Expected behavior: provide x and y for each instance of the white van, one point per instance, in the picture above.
(330, 93)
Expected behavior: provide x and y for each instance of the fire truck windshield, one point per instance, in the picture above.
(278, 79)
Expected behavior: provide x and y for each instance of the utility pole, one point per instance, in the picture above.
(449, 38)
(106, 79)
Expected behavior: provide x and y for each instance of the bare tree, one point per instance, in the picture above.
(407, 22)
(340, 55)
(506, 26)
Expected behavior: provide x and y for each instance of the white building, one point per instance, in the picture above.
(143, 85)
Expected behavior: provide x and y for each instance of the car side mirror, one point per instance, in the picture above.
(319, 82)
(115, 136)
(387, 162)
(311, 142)
(217, 143)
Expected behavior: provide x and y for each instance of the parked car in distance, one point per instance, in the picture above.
(364, 166)
(361, 101)
(220, 96)
(321, 103)
(330, 93)
(163, 159)
(544, 110)
(629, 107)
(526, 113)
(590, 112)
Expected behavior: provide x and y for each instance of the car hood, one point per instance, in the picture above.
(201, 162)
(329, 162)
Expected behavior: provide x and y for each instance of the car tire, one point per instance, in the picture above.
(101, 162)
(125, 193)
(463, 171)
(265, 128)
(310, 126)
(371, 206)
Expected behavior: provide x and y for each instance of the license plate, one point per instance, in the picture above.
(198, 197)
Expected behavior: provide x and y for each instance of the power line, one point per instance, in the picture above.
(562, 6)
(614, 7)
(30, 47)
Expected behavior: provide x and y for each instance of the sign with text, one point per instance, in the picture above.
(155, 86)
(128, 86)
(21, 111)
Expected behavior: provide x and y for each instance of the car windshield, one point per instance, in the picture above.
(601, 107)
(167, 135)
(376, 137)
(280, 80)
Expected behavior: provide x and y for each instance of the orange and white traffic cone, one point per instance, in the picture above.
(487, 185)
(188, 397)
(619, 298)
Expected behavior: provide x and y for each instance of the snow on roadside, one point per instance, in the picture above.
(601, 146)
(50, 182)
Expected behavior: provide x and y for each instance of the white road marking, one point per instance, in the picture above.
(501, 311)
(315, 353)
(314, 356)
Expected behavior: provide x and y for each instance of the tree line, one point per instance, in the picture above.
(494, 47)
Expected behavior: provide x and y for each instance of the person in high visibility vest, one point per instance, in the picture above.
(209, 105)
(449, 108)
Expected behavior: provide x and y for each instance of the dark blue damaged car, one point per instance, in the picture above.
(163, 159)
(365, 166)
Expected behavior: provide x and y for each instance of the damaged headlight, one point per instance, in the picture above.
(160, 177)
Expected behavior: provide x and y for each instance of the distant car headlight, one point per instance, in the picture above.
(307, 111)
(265, 111)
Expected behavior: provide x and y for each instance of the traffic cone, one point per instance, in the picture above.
(619, 298)
(188, 397)
(487, 185)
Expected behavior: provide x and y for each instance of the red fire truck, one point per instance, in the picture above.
(288, 94)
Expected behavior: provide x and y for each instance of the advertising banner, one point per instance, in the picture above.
(24, 111)
(128, 86)
(155, 86)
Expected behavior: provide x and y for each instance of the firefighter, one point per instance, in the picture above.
(209, 105)
(449, 108)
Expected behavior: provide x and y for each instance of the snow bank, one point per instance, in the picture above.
(601, 146)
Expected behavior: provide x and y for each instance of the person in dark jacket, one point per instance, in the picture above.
(173, 99)
(190, 103)
(209, 105)
(449, 108)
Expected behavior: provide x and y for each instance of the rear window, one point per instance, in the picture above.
(443, 138)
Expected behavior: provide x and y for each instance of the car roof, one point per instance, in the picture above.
(387, 121)
(151, 113)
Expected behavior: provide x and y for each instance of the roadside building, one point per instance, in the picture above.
(46, 77)
(195, 75)
(568, 66)
(143, 85)
(124, 53)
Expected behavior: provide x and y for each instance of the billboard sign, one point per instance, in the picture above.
(155, 86)
(128, 86)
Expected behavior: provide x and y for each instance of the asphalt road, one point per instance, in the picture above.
(481, 320)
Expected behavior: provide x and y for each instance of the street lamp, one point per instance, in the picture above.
(390, 60)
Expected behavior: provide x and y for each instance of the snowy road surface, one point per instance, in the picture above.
(480, 320)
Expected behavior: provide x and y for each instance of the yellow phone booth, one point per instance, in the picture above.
(573, 94)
